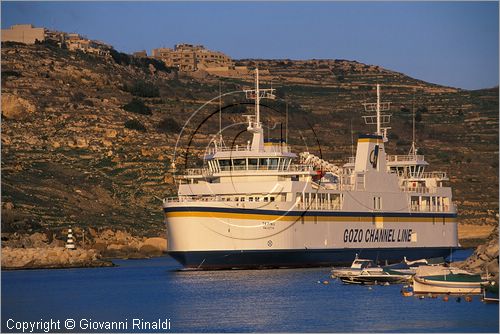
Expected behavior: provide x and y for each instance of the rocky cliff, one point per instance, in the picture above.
(89, 141)
(485, 257)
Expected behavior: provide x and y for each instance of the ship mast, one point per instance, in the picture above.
(379, 119)
(379, 133)
(413, 149)
(254, 123)
(220, 111)
(257, 97)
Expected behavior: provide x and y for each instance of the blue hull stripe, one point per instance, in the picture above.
(310, 213)
(300, 258)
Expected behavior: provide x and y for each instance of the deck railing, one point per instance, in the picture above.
(207, 172)
(243, 148)
(404, 158)
(419, 189)
(434, 175)
(318, 206)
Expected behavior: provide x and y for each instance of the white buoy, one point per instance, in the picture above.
(70, 242)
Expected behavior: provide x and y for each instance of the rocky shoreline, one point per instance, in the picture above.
(485, 258)
(40, 251)
(51, 258)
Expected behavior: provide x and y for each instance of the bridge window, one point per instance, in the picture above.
(239, 164)
(377, 203)
(224, 164)
(263, 163)
(273, 163)
(253, 163)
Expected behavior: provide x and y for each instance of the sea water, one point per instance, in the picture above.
(156, 293)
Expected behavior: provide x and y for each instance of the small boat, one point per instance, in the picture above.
(357, 266)
(400, 268)
(373, 277)
(435, 261)
(446, 280)
(410, 267)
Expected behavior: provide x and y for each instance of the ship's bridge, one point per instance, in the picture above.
(275, 156)
(407, 166)
(410, 169)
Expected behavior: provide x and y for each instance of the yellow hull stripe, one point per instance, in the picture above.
(227, 215)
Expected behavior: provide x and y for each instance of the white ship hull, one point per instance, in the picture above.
(224, 237)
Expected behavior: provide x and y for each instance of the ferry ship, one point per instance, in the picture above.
(259, 205)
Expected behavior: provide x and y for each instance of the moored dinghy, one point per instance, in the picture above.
(446, 280)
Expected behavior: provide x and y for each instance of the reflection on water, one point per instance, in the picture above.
(236, 301)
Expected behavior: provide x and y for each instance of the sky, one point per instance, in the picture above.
(448, 43)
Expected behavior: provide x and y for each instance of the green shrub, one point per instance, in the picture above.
(422, 109)
(236, 109)
(77, 97)
(134, 124)
(7, 74)
(393, 135)
(169, 125)
(141, 62)
(142, 89)
(137, 106)
(418, 116)
(443, 156)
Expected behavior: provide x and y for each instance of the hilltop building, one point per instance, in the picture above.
(188, 58)
(27, 34)
(23, 33)
(141, 53)
(77, 42)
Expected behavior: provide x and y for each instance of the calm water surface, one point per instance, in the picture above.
(279, 300)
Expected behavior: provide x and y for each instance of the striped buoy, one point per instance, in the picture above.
(70, 242)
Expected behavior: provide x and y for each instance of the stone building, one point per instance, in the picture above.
(27, 34)
(141, 53)
(76, 42)
(23, 33)
(188, 57)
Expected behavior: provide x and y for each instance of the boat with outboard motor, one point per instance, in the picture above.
(371, 277)
(251, 206)
(357, 266)
(364, 271)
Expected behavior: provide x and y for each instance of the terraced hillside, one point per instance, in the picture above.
(72, 153)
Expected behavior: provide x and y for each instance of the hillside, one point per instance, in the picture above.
(72, 154)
